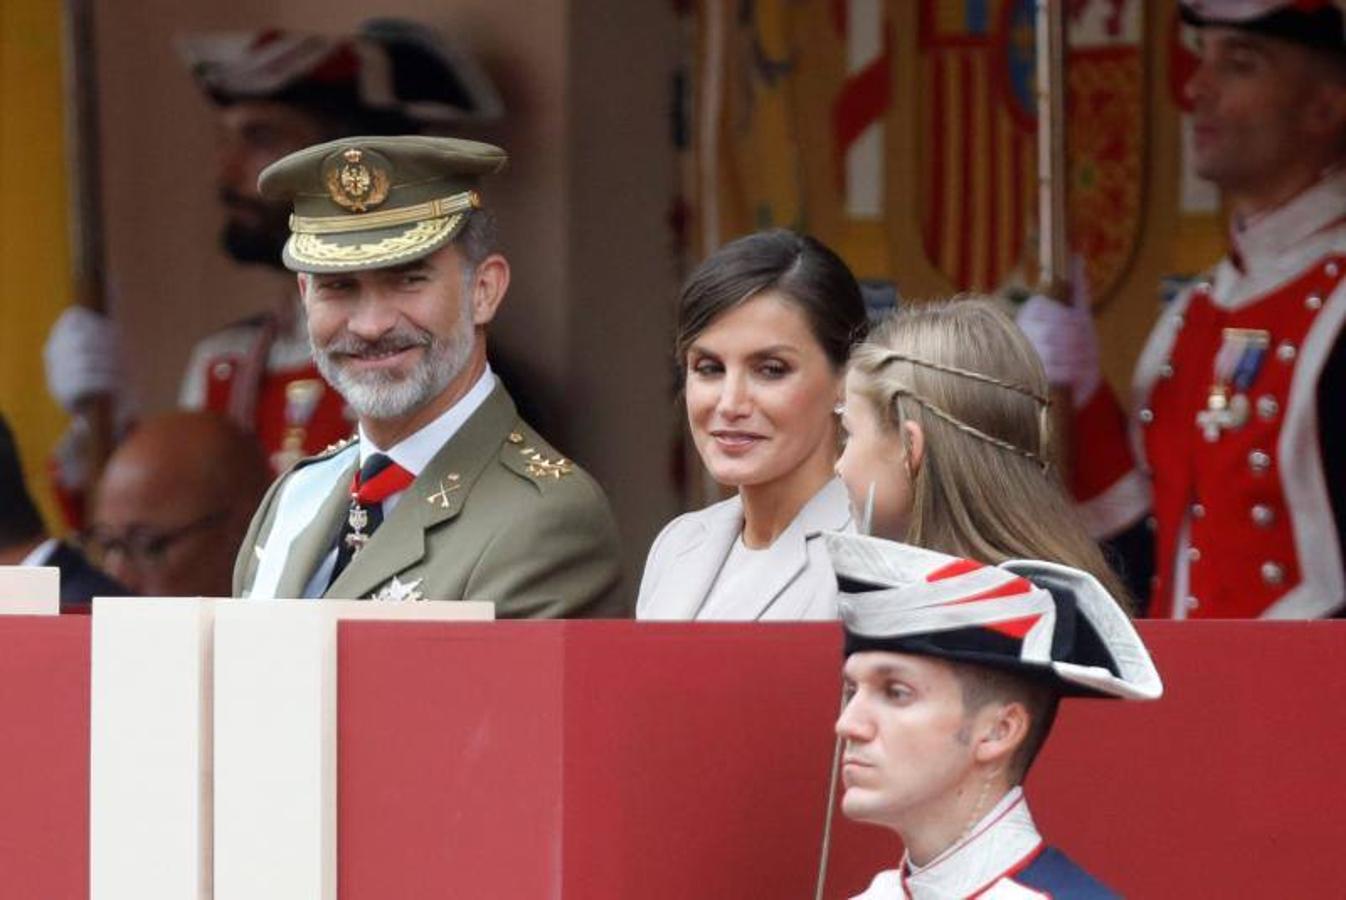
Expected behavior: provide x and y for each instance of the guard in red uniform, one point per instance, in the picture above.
(277, 92)
(1239, 419)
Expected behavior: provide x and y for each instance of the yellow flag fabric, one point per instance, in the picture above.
(34, 241)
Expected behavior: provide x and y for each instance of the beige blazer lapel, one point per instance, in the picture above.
(694, 567)
(435, 497)
(827, 510)
(313, 543)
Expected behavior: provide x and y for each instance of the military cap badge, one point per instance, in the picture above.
(356, 180)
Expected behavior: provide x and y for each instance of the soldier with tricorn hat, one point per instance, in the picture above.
(953, 673)
(446, 494)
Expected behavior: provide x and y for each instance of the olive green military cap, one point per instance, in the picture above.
(373, 202)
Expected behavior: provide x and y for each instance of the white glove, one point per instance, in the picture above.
(82, 357)
(70, 458)
(1065, 338)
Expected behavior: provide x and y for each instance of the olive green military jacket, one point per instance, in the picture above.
(498, 515)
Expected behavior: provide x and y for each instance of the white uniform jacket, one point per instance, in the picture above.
(687, 556)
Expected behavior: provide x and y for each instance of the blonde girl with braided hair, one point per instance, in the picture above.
(949, 444)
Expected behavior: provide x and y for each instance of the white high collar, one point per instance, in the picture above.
(998, 844)
(1258, 240)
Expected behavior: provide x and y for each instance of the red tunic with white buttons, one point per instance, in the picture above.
(1243, 516)
(260, 373)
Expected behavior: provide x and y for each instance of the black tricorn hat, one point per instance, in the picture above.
(1042, 620)
(391, 77)
(1320, 24)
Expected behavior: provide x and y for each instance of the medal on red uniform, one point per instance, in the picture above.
(1239, 359)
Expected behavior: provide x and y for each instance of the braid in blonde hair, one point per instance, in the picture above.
(936, 410)
(893, 356)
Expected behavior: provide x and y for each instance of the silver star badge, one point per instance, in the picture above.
(395, 591)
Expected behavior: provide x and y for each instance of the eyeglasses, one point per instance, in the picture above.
(143, 545)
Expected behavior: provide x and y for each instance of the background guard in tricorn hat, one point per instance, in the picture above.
(1236, 498)
(446, 494)
(953, 672)
(277, 92)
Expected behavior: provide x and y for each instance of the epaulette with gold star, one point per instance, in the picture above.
(534, 460)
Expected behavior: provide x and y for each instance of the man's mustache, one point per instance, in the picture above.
(394, 341)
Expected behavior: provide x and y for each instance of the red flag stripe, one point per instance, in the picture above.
(864, 99)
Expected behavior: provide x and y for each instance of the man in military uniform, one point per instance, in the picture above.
(446, 494)
(953, 674)
(1238, 390)
(276, 92)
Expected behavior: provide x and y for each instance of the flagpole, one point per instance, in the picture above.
(1053, 248)
(84, 160)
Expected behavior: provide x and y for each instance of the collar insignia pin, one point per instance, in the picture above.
(447, 486)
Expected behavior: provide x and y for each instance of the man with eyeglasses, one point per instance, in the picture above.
(24, 540)
(174, 503)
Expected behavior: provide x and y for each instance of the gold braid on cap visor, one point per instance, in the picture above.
(311, 248)
(438, 208)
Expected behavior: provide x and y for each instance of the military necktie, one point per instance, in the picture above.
(377, 480)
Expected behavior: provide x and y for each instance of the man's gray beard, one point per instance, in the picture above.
(380, 395)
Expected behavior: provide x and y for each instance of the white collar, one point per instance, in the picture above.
(1263, 238)
(994, 847)
(41, 554)
(414, 453)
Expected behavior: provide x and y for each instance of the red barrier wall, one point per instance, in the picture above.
(690, 761)
(44, 757)
(582, 759)
(610, 760)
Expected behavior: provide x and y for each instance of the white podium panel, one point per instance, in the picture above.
(30, 590)
(275, 740)
(149, 742)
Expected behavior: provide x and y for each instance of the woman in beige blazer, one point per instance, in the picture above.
(764, 328)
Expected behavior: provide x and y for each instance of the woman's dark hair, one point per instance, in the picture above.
(802, 269)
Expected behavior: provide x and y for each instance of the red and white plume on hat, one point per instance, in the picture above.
(1038, 618)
